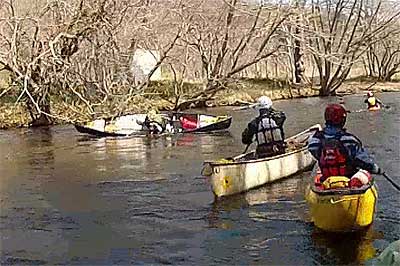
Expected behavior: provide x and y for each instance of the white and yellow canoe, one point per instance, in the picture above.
(242, 173)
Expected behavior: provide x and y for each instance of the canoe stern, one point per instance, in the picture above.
(341, 213)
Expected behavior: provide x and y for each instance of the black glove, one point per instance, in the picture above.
(376, 169)
(247, 137)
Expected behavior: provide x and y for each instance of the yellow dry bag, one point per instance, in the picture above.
(333, 182)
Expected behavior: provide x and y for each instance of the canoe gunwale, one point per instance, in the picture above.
(342, 191)
(236, 158)
(212, 127)
(215, 163)
(338, 191)
(95, 132)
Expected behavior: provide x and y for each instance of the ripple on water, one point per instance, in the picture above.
(142, 201)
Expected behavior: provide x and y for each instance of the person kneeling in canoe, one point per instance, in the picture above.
(268, 129)
(372, 101)
(338, 152)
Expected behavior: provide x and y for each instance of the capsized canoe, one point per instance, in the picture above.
(243, 172)
(341, 209)
(132, 124)
(200, 123)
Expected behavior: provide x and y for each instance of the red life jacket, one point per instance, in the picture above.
(334, 158)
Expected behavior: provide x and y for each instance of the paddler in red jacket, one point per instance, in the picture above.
(338, 152)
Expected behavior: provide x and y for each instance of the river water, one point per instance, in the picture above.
(67, 198)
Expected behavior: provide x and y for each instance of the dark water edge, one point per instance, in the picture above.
(66, 198)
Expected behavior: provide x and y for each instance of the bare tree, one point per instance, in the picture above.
(293, 37)
(383, 57)
(339, 34)
(79, 53)
(79, 49)
(229, 38)
(39, 49)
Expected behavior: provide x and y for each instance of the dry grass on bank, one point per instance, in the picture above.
(239, 93)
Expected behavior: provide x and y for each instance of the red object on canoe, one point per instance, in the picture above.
(188, 123)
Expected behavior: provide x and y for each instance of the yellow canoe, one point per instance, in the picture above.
(341, 209)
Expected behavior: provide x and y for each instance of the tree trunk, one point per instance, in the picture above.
(41, 119)
(325, 89)
(298, 64)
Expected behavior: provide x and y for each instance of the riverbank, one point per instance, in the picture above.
(241, 93)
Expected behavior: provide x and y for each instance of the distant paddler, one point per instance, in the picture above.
(373, 102)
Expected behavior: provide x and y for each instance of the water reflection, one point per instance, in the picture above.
(219, 145)
(186, 140)
(142, 152)
(130, 155)
(149, 158)
(346, 248)
(40, 151)
(261, 204)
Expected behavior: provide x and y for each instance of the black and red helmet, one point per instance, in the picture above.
(335, 114)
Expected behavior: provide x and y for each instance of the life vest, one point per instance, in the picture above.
(268, 132)
(334, 159)
(372, 102)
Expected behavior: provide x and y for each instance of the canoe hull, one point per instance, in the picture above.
(220, 125)
(243, 172)
(376, 108)
(233, 178)
(128, 125)
(342, 211)
(98, 133)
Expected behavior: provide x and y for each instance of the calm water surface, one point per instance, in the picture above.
(67, 198)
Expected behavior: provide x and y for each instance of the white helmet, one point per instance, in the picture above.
(264, 102)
